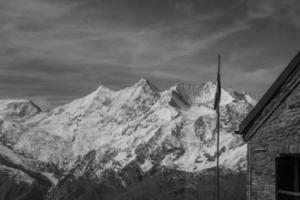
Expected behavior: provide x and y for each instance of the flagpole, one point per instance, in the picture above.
(218, 133)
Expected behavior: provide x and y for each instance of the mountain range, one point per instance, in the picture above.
(136, 143)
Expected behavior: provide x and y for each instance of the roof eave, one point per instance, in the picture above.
(271, 92)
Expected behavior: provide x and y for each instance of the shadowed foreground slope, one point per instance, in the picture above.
(162, 185)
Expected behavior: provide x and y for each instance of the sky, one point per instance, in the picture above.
(52, 51)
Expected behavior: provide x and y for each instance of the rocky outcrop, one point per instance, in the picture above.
(18, 181)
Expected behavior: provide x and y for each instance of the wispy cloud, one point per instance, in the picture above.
(53, 51)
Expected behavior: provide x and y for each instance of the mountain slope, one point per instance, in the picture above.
(17, 180)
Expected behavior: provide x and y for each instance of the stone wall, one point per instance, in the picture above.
(280, 133)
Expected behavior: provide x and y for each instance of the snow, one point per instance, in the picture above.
(166, 114)
(8, 155)
(146, 166)
(251, 100)
(17, 108)
(51, 177)
(207, 94)
(196, 111)
(234, 156)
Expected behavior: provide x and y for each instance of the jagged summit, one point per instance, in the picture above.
(103, 88)
(143, 82)
(209, 84)
(183, 93)
(18, 108)
(146, 84)
(202, 94)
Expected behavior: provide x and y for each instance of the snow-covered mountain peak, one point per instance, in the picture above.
(17, 108)
(87, 103)
(146, 85)
(246, 96)
(104, 89)
(142, 81)
(202, 94)
(209, 84)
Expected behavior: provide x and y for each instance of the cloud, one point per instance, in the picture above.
(54, 51)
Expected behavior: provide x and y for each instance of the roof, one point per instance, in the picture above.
(268, 96)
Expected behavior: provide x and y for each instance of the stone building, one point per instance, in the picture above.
(272, 132)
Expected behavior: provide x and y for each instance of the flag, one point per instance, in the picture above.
(218, 91)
